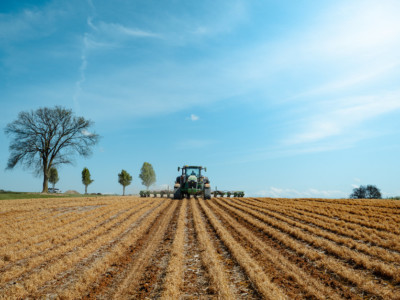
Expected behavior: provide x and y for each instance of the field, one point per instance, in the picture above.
(22, 195)
(223, 248)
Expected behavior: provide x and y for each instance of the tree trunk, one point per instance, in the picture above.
(45, 178)
(85, 189)
(123, 191)
(45, 184)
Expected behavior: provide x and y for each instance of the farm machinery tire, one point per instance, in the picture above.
(207, 194)
(178, 194)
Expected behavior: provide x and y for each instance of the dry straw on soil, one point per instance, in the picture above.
(228, 248)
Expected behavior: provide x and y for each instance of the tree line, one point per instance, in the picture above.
(48, 137)
(147, 175)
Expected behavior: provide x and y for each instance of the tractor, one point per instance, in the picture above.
(192, 182)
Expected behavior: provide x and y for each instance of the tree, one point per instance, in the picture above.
(53, 176)
(124, 179)
(366, 192)
(359, 193)
(373, 192)
(48, 137)
(147, 174)
(86, 180)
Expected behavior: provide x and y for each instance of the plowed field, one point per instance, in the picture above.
(223, 248)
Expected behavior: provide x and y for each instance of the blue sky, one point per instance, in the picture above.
(277, 98)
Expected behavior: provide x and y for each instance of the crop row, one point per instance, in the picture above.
(227, 248)
(330, 232)
(386, 222)
(341, 261)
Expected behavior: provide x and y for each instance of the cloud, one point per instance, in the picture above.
(102, 36)
(119, 30)
(275, 192)
(28, 24)
(113, 33)
(340, 116)
(193, 118)
(233, 14)
(362, 76)
(82, 70)
(87, 133)
(365, 27)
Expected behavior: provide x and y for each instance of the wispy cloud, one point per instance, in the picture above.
(102, 36)
(119, 30)
(28, 24)
(359, 27)
(193, 118)
(275, 192)
(86, 133)
(359, 77)
(339, 116)
(334, 108)
(82, 77)
(113, 33)
(234, 14)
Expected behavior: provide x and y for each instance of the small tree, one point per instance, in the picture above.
(124, 179)
(147, 174)
(86, 180)
(53, 176)
(366, 192)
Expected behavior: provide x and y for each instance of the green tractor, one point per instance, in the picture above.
(192, 182)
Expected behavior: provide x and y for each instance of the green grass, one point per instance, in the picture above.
(23, 195)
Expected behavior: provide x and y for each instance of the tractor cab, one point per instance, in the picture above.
(191, 171)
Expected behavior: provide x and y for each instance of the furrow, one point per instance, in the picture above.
(254, 271)
(288, 270)
(128, 287)
(318, 258)
(174, 278)
(210, 257)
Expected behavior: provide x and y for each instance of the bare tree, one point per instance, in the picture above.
(48, 137)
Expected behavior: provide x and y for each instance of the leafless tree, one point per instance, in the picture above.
(48, 137)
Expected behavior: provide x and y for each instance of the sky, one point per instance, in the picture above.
(276, 98)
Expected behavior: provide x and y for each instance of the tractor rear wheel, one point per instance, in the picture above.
(207, 194)
(177, 193)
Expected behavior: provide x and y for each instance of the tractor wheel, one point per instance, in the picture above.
(207, 194)
(177, 193)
